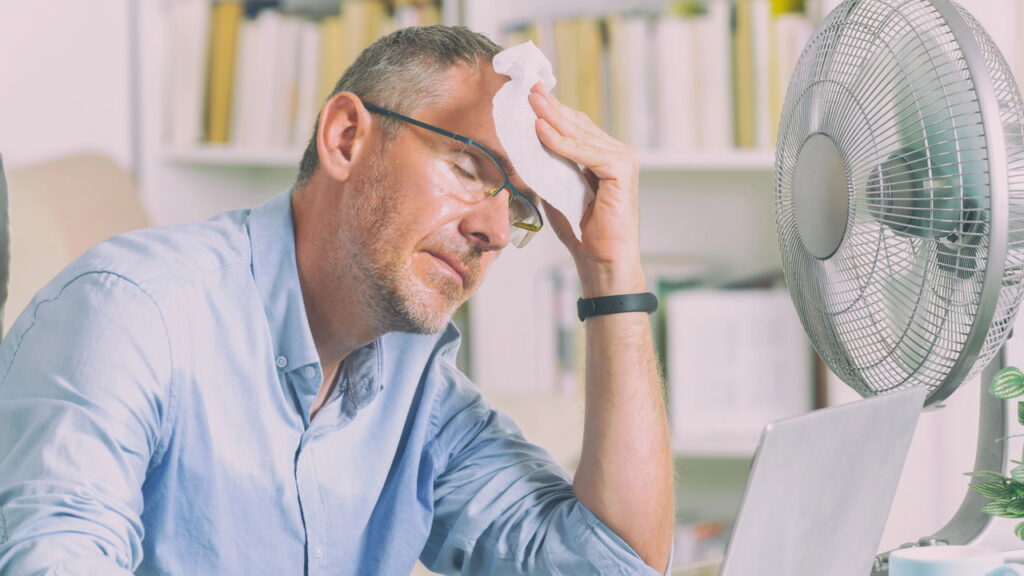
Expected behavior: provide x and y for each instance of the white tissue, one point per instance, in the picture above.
(554, 178)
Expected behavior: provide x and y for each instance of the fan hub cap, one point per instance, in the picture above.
(821, 198)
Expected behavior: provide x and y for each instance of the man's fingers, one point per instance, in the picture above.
(593, 152)
(573, 135)
(567, 121)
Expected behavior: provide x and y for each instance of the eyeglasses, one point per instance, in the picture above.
(480, 175)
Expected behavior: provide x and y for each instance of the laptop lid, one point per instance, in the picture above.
(820, 489)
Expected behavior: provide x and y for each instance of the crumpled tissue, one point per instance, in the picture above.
(556, 179)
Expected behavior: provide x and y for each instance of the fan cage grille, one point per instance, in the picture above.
(894, 307)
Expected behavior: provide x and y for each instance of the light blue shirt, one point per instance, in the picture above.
(154, 418)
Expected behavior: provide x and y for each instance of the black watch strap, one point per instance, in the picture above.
(587, 307)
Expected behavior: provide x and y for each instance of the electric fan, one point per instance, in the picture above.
(899, 199)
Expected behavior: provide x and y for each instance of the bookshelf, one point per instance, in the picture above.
(183, 175)
(699, 207)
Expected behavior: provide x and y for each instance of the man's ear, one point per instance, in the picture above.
(343, 134)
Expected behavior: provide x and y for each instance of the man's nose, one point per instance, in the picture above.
(486, 222)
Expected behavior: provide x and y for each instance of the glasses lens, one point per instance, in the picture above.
(479, 176)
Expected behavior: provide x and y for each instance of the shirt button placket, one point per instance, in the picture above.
(312, 511)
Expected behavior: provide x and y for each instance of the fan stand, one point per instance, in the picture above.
(996, 421)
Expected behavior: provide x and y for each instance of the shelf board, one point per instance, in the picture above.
(208, 155)
(724, 161)
(651, 161)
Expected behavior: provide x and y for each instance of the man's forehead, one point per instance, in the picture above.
(466, 104)
(467, 109)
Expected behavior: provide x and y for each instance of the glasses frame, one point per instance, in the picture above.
(513, 191)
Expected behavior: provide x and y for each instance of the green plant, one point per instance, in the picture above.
(1005, 492)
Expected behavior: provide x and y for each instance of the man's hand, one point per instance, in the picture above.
(608, 254)
(625, 472)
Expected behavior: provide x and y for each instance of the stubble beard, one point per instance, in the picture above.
(389, 294)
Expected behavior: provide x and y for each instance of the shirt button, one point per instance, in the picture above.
(318, 552)
(282, 361)
(309, 372)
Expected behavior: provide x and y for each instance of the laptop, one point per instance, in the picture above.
(820, 489)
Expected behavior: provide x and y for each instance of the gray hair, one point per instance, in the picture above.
(399, 72)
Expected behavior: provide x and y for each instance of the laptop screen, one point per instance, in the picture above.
(820, 489)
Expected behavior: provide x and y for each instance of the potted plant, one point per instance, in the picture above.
(1006, 492)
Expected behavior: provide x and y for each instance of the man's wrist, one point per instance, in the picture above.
(609, 282)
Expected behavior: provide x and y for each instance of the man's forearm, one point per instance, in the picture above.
(625, 473)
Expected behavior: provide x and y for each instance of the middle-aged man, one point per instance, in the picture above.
(274, 391)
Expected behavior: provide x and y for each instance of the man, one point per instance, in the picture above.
(274, 392)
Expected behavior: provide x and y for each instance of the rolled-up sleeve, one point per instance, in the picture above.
(503, 506)
(84, 382)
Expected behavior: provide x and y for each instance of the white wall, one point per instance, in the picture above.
(64, 80)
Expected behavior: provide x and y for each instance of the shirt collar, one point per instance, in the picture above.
(272, 240)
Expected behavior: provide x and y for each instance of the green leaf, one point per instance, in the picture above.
(1017, 474)
(1016, 508)
(1019, 530)
(1005, 508)
(1018, 489)
(987, 474)
(1008, 383)
(995, 508)
(994, 490)
(1020, 413)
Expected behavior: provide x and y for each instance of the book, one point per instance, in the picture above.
(787, 7)
(332, 55)
(675, 55)
(714, 58)
(590, 55)
(225, 20)
(743, 74)
(666, 276)
(188, 23)
(737, 359)
(284, 74)
(307, 100)
(406, 14)
(317, 8)
(761, 32)
(363, 21)
(790, 32)
(243, 118)
(264, 78)
(618, 78)
(566, 62)
(571, 334)
(631, 72)
(520, 34)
